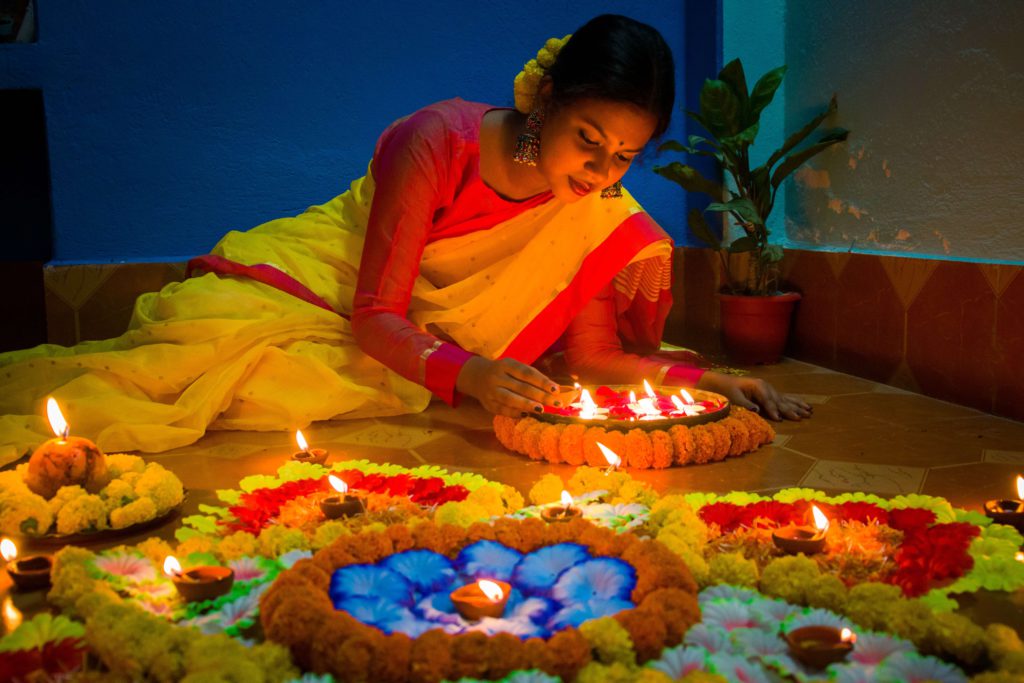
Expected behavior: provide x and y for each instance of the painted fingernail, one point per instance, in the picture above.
(538, 409)
(524, 414)
(554, 389)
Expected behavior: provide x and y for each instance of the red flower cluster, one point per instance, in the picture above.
(258, 508)
(770, 514)
(931, 556)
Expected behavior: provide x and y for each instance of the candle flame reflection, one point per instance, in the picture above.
(57, 422)
(339, 485)
(686, 396)
(820, 520)
(611, 456)
(301, 440)
(1020, 487)
(491, 590)
(649, 390)
(8, 549)
(11, 615)
(171, 566)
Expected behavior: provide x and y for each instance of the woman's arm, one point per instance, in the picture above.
(594, 352)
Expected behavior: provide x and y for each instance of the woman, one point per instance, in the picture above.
(478, 239)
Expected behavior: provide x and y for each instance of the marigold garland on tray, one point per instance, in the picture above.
(297, 611)
(576, 444)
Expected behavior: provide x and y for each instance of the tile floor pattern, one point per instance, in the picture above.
(864, 436)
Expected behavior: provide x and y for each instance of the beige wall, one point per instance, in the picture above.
(933, 92)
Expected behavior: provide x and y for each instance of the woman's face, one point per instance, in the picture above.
(589, 144)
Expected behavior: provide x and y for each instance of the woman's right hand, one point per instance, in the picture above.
(506, 386)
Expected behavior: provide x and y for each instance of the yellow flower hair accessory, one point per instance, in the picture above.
(528, 80)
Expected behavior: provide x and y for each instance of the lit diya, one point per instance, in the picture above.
(316, 456)
(819, 646)
(485, 598)
(65, 460)
(625, 407)
(1010, 512)
(795, 539)
(563, 512)
(199, 583)
(343, 504)
(30, 573)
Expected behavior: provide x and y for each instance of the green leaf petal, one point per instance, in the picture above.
(202, 523)
(689, 178)
(743, 139)
(732, 74)
(720, 108)
(40, 630)
(742, 244)
(744, 207)
(797, 137)
(797, 159)
(673, 146)
(764, 91)
(700, 228)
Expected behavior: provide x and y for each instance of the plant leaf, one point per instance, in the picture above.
(699, 226)
(772, 253)
(689, 178)
(797, 137)
(764, 91)
(732, 74)
(795, 160)
(743, 139)
(695, 140)
(741, 205)
(673, 146)
(720, 108)
(742, 244)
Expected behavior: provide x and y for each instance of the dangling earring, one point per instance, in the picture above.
(527, 148)
(613, 191)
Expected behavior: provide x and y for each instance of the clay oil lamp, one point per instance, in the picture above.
(316, 456)
(1010, 512)
(611, 456)
(562, 513)
(819, 646)
(485, 598)
(29, 573)
(795, 539)
(568, 395)
(343, 504)
(199, 583)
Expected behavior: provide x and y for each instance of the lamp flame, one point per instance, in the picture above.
(1019, 557)
(491, 590)
(8, 549)
(11, 615)
(301, 440)
(820, 520)
(847, 636)
(1020, 487)
(576, 386)
(588, 409)
(57, 422)
(649, 390)
(632, 396)
(686, 396)
(566, 499)
(611, 456)
(339, 485)
(171, 566)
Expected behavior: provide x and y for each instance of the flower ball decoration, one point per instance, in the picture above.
(372, 605)
(742, 432)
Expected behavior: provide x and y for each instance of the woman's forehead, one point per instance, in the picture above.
(622, 124)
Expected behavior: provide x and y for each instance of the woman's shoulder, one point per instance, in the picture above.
(455, 115)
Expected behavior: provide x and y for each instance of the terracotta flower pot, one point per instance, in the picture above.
(755, 328)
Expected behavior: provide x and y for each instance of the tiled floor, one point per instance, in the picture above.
(864, 436)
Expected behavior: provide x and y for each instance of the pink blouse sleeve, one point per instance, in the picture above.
(410, 172)
(594, 351)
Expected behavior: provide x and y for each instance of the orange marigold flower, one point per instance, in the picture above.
(391, 663)
(548, 442)
(531, 439)
(703, 445)
(662, 445)
(723, 442)
(503, 428)
(571, 652)
(519, 434)
(647, 632)
(431, 657)
(505, 654)
(639, 452)
(570, 444)
(739, 436)
(469, 656)
(678, 609)
(684, 448)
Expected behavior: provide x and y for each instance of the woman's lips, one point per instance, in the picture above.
(582, 189)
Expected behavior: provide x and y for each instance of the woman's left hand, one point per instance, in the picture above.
(757, 395)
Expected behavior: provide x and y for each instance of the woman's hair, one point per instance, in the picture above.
(612, 57)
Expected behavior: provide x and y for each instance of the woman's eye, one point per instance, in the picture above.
(587, 140)
(624, 159)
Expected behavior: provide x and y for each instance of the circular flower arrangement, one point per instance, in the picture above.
(373, 606)
(576, 444)
(133, 492)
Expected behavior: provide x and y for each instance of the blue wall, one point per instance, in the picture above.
(171, 123)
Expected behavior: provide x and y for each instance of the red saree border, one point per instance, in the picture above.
(597, 270)
(261, 272)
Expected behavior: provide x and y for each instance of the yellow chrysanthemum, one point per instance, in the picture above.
(528, 80)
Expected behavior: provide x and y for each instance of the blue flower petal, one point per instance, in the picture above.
(538, 571)
(488, 560)
(601, 578)
(522, 628)
(426, 570)
(576, 614)
(374, 611)
(365, 580)
(438, 608)
(535, 609)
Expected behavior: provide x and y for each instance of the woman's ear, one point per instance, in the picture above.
(544, 90)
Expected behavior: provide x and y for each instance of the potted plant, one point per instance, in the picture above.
(755, 315)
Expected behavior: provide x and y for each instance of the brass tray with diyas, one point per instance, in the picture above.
(626, 407)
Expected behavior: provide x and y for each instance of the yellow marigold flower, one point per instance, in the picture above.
(595, 672)
(548, 489)
(82, 514)
(195, 544)
(64, 495)
(135, 512)
(703, 677)
(460, 514)
(545, 58)
(636, 492)
(609, 640)
(156, 549)
(116, 494)
(489, 498)
(827, 592)
(328, 532)
(733, 568)
(121, 463)
(13, 481)
(161, 485)
(277, 540)
(24, 513)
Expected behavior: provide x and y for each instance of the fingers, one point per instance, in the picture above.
(529, 382)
